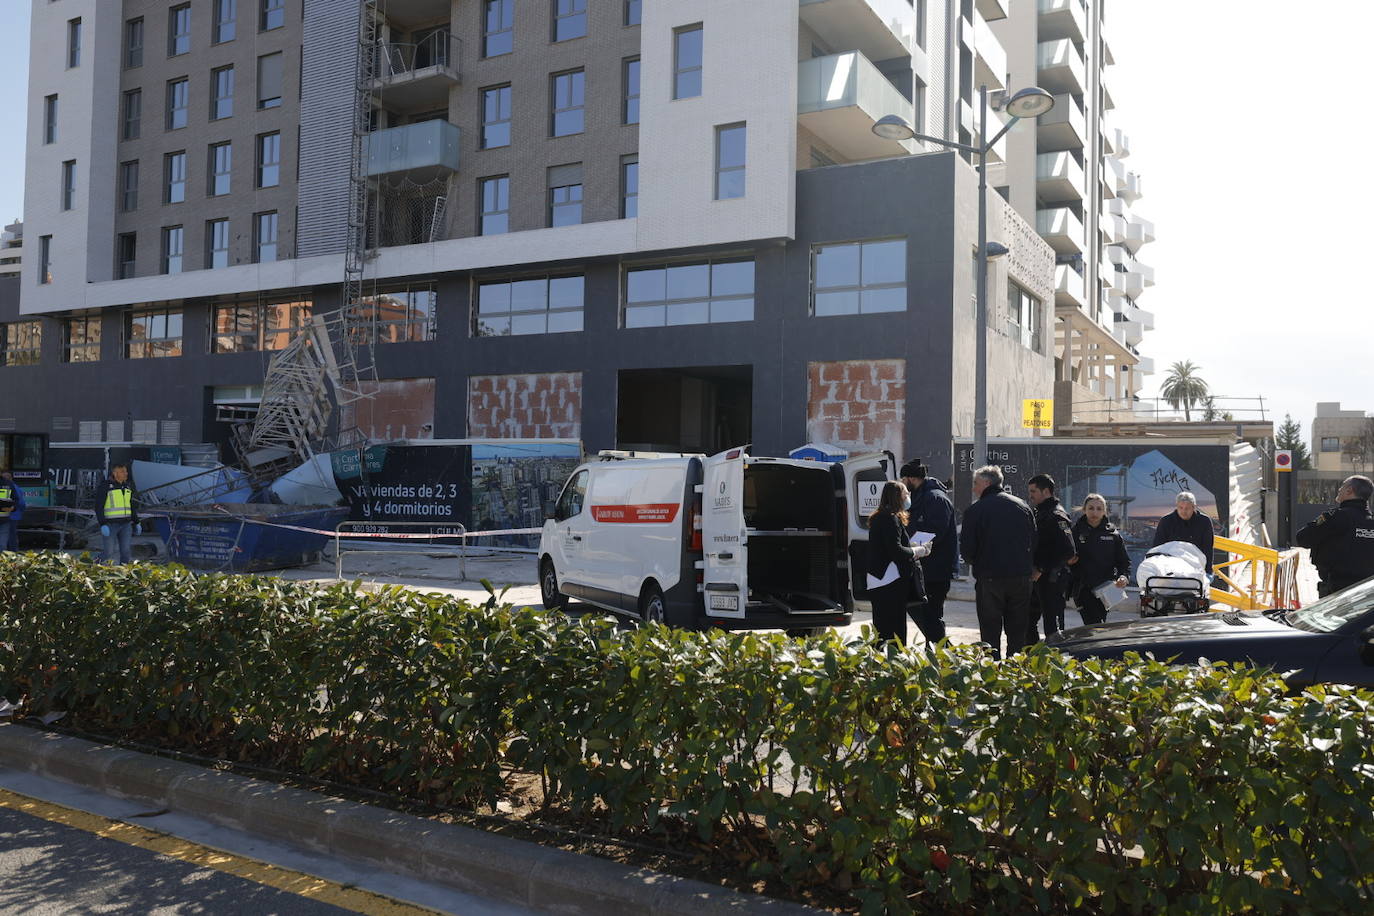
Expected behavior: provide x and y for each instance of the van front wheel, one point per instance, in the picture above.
(651, 605)
(548, 586)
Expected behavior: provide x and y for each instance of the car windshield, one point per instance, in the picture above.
(1335, 611)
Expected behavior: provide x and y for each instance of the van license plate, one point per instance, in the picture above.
(724, 603)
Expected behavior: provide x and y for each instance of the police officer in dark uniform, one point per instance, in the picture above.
(1054, 548)
(1342, 539)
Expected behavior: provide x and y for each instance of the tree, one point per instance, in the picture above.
(1184, 388)
(1359, 448)
(1290, 437)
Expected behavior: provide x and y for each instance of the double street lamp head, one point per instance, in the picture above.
(1031, 102)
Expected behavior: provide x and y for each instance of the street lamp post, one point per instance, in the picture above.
(1031, 102)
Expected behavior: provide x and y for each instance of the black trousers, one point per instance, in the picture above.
(1003, 606)
(1091, 607)
(930, 617)
(1047, 605)
(889, 609)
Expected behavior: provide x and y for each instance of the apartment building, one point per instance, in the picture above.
(1342, 440)
(640, 223)
(11, 249)
(1069, 174)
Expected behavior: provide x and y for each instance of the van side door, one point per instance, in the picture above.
(723, 538)
(568, 544)
(864, 478)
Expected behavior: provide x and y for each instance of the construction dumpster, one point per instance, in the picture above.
(246, 537)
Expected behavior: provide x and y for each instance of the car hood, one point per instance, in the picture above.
(1169, 635)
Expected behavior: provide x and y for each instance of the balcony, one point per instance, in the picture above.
(1058, 177)
(1063, 127)
(1128, 187)
(1113, 229)
(1146, 366)
(1061, 228)
(881, 29)
(411, 13)
(1060, 67)
(421, 152)
(1131, 332)
(1139, 231)
(418, 76)
(1069, 287)
(989, 58)
(992, 10)
(1062, 19)
(841, 97)
(1134, 312)
(1121, 143)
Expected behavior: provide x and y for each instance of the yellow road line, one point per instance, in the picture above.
(349, 898)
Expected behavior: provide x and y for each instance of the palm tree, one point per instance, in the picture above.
(1183, 388)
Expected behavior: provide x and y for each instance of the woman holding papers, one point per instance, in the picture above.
(892, 569)
(1101, 561)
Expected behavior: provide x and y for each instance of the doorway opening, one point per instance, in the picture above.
(699, 409)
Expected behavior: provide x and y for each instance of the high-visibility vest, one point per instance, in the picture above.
(6, 492)
(118, 503)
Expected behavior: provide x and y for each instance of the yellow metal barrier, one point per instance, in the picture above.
(1272, 577)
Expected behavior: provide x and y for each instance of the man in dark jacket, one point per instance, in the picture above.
(1186, 523)
(932, 513)
(11, 511)
(1053, 551)
(1342, 539)
(116, 515)
(998, 541)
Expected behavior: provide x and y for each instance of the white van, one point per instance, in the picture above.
(730, 541)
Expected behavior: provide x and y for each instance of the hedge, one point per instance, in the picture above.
(933, 781)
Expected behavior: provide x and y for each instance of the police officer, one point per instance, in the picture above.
(1054, 549)
(11, 510)
(1342, 539)
(932, 512)
(115, 513)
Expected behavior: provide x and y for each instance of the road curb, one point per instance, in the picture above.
(466, 859)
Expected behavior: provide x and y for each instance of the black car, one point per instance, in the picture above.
(1328, 642)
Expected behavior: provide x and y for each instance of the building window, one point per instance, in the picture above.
(1331, 443)
(133, 43)
(855, 278)
(179, 30)
(216, 244)
(44, 260)
(629, 187)
(152, 334)
(1023, 318)
(687, 62)
(569, 19)
(630, 113)
(174, 174)
(273, 15)
(269, 160)
(50, 119)
(178, 99)
(23, 343)
(404, 314)
(495, 205)
(495, 117)
(133, 114)
(269, 80)
(709, 292)
(245, 327)
(73, 43)
(568, 99)
(173, 247)
(81, 339)
(634, 10)
(730, 148)
(565, 195)
(498, 28)
(221, 93)
(126, 255)
(69, 184)
(265, 237)
(221, 164)
(226, 15)
(128, 186)
(540, 305)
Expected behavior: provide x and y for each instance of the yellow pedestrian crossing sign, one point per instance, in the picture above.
(1037, 413)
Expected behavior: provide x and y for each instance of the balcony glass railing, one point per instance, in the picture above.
(412, 147)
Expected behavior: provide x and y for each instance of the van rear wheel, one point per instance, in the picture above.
(552, 598)
(652, 608)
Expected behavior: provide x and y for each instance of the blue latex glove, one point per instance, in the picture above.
(138, 529)
(105, 530)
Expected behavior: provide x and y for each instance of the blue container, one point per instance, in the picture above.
(246, 537)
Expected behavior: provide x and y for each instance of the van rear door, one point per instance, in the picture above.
(723, 540)
(864, 477)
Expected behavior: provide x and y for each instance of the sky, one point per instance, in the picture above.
(1244, 125)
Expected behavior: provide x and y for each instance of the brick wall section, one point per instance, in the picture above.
(545, 405)
(859, 405)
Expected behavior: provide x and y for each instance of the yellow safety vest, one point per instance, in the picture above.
(118, 503)
(6, 492)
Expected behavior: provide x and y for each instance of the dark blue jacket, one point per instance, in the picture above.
(999, 536)
(933, 513)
